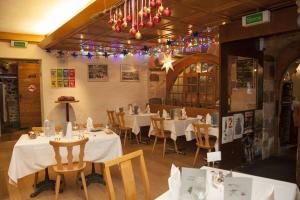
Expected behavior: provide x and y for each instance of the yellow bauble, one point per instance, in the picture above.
(138, 35)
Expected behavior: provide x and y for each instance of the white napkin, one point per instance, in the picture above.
(174, 182)
(165, 114)
(208, 118)
(89, 124)
(158, 113)
(130, 110)
(270, 195)
(69, 131)
(148, 109)
(183, 113)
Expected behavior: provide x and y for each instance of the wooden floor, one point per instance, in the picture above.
(158, 172)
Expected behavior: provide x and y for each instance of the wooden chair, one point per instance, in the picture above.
(112, 120)
(213, 157)
(70, 166)
(159, 132)
(123, 128)
(37, 129)
(202, 139)
(125, 167)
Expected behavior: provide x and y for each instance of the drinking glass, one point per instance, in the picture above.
(199, 189)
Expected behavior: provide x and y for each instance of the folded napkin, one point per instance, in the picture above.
(130, 110)
(69, 131)
(89, 124)
(208, 118)
(183, 113)
(165, 114)
(147, 109)
(270, 195)
(174, 182)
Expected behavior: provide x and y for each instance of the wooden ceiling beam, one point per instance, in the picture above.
(79, 21)
(5, 36)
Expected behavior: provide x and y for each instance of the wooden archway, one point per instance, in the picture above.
(181, 64)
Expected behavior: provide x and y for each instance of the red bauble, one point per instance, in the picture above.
(166, 12)
(150, 24)
(156, 19)
(132, 31)
(124, 25)
(152, 4)
(145, 15)
(141, 25)
(158, 3)
(120, 22)
(117, 29)
(129, 19)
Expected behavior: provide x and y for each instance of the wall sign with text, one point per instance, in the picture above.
(62, 78)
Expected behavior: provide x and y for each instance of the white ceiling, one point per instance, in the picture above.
(38, 16)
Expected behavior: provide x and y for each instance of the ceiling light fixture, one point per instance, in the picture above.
(167, 63)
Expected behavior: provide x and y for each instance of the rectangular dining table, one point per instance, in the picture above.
(261, 187)
(176, 126)
(136, 121)
(33, 155)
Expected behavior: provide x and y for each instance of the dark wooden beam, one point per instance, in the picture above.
(283, 20)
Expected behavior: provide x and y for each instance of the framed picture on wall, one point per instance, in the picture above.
(129, 72)
(97, 72)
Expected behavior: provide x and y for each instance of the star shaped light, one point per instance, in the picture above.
(167, 63)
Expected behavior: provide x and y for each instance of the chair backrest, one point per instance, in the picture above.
(213, 157)
(125, 167)
(111, 117)
(69, 145)
(158, 126)
(202, 138)
(121, 119)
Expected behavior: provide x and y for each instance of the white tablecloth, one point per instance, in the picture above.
(137, 121)
(177, 127)
(190, 134)
(260, 188)
(32, 155)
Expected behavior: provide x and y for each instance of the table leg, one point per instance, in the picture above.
(67, 112)
(46, 184)
(94, 177)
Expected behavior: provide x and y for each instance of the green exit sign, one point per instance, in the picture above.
(256, 18)
(22, 44)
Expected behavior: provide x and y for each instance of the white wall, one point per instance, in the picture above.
(95, 97)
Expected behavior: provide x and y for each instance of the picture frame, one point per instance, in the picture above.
(98, 72)
(129, 73)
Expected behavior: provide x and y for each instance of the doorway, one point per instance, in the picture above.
(20, 103)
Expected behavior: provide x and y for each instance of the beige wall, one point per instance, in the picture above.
(95, 97)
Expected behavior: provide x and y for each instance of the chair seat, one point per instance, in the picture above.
(65, 168)
(124, 128)
(166, 133)
(204, 147)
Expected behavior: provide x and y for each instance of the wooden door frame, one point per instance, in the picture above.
(39, 61)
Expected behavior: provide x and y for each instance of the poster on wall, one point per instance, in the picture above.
(62, 78)
(249, 117)
(227, 129)
(238, 125)
(97, 72)
(129, 72)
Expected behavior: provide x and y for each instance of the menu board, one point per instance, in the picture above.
(62, 78)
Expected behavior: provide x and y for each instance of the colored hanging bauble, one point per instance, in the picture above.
(89, 55)
(166, 12)
(138, 35)
(156, 18)
(158, 3)
(160, 9)
(152, 4)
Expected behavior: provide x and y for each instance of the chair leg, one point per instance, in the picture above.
(137, 139)
(57, 186)
(175, 144)
(36, 177)
(154, 144)
(125, 137)
(164, 150)
(195, 159)
(84, 184)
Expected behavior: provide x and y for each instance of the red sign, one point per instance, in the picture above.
(31, 88)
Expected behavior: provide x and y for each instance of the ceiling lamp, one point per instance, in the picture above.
(167, 63)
